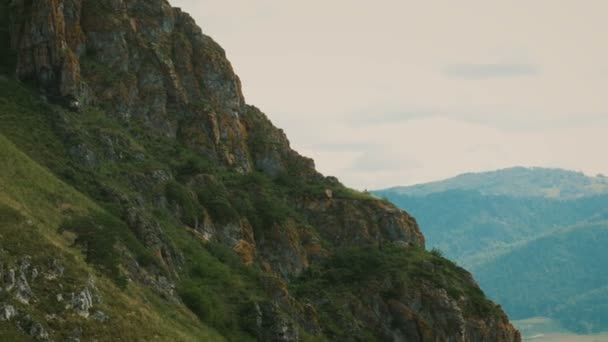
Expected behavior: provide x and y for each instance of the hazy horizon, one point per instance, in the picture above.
(401, 92)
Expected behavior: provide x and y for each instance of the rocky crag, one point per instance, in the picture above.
(138, 187)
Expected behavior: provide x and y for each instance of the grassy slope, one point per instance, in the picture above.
(33, 203)
(214, 284)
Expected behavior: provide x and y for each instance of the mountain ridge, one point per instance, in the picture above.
(536, 255)
(516, 181)
(201, 214)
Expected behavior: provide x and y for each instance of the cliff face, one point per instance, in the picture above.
(139, 59)
(146, 117)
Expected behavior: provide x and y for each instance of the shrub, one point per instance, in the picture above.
(215, 198)
(192, 164)
(437, 252)
(179, 195)
(98, 234)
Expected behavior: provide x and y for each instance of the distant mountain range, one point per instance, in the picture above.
(534, 238)
(516, 182)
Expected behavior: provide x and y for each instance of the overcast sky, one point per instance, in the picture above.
(389, 92)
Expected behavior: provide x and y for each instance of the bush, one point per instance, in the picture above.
(192, 164)
(215, 198)
(205, 304)
(98, 234)
(358, 267)
(437, 252)
(179, 195)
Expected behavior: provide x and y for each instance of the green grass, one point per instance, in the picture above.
(78, 210)
(215, 284)
(33, 205)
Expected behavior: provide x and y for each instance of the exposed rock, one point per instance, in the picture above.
(54, 271)
(38, 332)
(9, 279)
(272, 325)
(75, 335)
(38, 33)
(145, 62)
(7, 312)
(81, 302)
(152, 236)
(33, 328)
(100, 316)
(23, 292)
(362, 222)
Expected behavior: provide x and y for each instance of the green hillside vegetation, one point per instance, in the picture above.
(561, 275)
(72, 205)
(33, 206)
(482, 227)
(215, 286)
(517, 182)
(143, 199)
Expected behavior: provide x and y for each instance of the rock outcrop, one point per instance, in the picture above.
(143, 60)
(186, 156)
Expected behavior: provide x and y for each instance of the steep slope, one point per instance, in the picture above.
(516, 182)
(172, 186)
(48, 287)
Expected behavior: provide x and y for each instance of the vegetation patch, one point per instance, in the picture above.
(352, 272)
(98, 234)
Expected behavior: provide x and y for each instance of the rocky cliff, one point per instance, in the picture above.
(188, 200)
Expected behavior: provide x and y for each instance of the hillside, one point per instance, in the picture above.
(141, 198)
(482, 227)
(536, 256)
(517, 182)
(561, 275)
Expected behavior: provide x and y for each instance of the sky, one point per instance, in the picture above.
(398, 92)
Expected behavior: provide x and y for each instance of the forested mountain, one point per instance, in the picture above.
(517, 182)
(535, 255)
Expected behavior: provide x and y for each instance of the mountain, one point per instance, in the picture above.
(536, 256)
(517, 182)
(561, 275)
(142, 198)
(483, 226)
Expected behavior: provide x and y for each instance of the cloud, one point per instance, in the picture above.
(341, 146)
(471, 71)
(379, 115)
(379, 160)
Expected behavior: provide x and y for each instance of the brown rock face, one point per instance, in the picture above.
(148, 64)
(38, 33)
(351, 222)
(141, 59)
